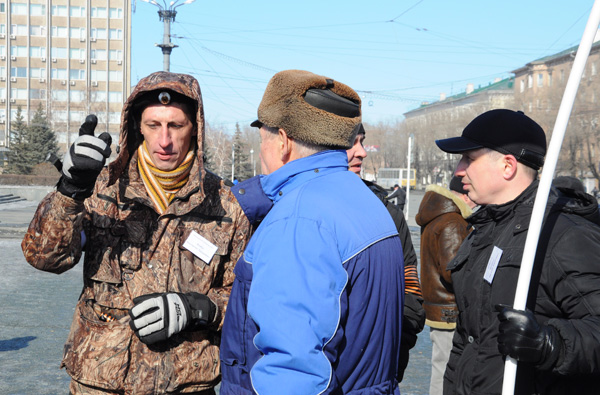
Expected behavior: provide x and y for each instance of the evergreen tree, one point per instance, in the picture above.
(42, 140)
(242, 166)
(19, 156)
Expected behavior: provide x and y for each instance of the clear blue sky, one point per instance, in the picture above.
(396, 54)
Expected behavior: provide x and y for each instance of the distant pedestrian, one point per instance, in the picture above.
(399, 196)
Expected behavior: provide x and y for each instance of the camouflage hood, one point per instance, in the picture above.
(130, 139)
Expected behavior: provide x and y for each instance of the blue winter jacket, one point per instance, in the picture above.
(316, 306)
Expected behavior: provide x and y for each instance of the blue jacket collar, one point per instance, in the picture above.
(257, 194)
(277, 184)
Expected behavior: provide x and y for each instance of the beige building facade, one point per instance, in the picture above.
(447, 118)
(72, 57)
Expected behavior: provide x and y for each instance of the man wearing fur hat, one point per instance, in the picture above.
(317, 299)
(441, 217)
(161, 236)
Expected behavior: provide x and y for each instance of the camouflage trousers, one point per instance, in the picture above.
(77, 388)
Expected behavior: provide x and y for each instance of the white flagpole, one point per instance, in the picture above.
(541, 198)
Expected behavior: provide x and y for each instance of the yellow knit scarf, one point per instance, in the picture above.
(163, 185)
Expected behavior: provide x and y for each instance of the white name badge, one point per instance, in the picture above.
(200, 247)
(492, 265)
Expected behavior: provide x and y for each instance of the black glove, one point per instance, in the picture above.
(523, 339)
(84, 161)
(156, 317)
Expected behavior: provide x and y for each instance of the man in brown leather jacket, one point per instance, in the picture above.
(161, 236)
(441, 216)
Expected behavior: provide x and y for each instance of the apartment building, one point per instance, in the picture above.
(71, 56)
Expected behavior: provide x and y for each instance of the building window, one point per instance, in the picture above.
(98, 96)
(13, 114)
(36, 30)
(37, 94)
(98, 75)
(18, 51)
(116, 13)
(76, 96)
(114, 117)
(98, 12)
(19, 72)
(77, 53)
(18, 30)
(58, 53)
(2, 50)
(60, 74)
(540, 80)
(35, 72)
(529, 81)
(59, 95)
(75, 11)
(58, 115)
(18, 9)
(98, 33)
(115, 97)
(594, 71)
(549, 79)
(59, 10)
(562, 76)
(77, 116)
(77, 32)
(115, 54)
(17, 93)
(2, 7)
(2, 28)
(75, 74)
(37, 9)
(115, 34)
(37, 52)
(115, 75)
(99, 54)
(59, 31)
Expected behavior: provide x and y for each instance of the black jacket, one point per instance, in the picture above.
(414, 314)
(565, 293)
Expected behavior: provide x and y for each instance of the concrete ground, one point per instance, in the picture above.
(36, 310)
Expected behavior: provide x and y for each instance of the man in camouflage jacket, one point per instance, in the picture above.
(138, 266)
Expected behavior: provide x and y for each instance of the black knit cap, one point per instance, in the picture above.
(164, 97)
(457, 185)
(506, 131)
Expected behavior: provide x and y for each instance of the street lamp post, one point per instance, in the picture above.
(166, 13)
(252, 160)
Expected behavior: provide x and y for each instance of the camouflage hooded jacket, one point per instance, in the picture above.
(131, 250)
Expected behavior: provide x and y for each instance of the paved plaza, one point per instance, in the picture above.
(36, 310)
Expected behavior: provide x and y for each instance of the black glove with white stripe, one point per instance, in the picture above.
(156, 317)
(84, 161)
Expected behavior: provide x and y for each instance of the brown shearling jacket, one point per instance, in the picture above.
(443, 228)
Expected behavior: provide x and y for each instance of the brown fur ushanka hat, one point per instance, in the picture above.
(311, 108)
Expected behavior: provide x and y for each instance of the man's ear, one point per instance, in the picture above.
(510, 166)
(285, 146)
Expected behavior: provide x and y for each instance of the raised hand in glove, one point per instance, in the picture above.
(522, 338)
(84, 161)
(156, 317)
